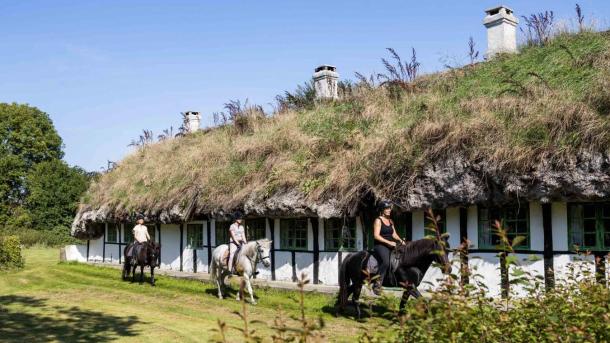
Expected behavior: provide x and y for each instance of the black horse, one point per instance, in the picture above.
(148, 255)
(413, 260)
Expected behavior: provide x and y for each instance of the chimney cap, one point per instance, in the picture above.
(326, 67)
(495, 10)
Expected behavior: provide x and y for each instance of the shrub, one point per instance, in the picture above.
(10, 253)
(58, 236)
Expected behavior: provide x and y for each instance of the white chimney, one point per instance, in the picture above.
(501, 27)
(325, 80)
(192, 121)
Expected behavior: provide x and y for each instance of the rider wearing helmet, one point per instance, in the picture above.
(385, 237)
(140, 236)
(237, 235)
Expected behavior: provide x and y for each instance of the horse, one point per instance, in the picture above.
(246, 260)
(148, 255)
(413, 260)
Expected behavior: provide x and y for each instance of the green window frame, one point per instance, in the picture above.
(514, 218)
(152, 232)
(293, 234)
(428, 231)
(256, 228)
(340, 235)
(194, 236)
(589, 225)
(112, 234)
(128, 232)
(221, 229)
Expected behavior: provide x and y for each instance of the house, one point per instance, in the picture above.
(478, 144)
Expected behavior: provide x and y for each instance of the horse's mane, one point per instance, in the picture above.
(416, 248)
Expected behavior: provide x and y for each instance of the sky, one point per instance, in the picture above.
(106, 70)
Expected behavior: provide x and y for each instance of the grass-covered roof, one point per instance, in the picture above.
(534, 124)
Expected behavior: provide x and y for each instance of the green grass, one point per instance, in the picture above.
(51, 301)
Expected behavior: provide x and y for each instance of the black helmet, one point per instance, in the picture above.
(237, 215)
(383, 205)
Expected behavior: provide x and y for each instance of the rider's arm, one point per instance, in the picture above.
(377, 233)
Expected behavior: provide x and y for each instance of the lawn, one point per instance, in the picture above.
(52, 301)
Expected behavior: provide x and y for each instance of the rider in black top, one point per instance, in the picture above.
(385, 237)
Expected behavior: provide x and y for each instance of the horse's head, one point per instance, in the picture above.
(263, 248)
(154, 253)
(442, 252)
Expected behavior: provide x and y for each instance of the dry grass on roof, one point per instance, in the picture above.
(506, 114)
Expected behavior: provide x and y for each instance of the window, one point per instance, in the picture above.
(514, 219)
(403, 224)
(256, 229)
(589, 225)
(194, 236)
(128, 232)
(112, 235)
(442, 223)
(293, 234)
(340, 234)
(151, 231)
(222, 232)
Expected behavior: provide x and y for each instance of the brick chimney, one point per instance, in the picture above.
(325, 80)
(501, 27)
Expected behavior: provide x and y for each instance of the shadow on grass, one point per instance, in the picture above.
(65, 324)
(350, 311)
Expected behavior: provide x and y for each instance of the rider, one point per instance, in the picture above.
(140, 235)
(237, 235)
(385, 237)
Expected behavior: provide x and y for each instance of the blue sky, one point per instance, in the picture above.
(105, 70)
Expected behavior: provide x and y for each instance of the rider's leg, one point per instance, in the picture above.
(232, 250)
(382, 254)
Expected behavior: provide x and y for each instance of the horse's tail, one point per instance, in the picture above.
(344, 280)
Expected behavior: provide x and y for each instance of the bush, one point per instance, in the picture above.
(10, 253)
(59, 236)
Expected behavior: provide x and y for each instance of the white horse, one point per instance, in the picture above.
(245, 263)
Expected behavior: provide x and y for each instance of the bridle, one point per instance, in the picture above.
(259, 257)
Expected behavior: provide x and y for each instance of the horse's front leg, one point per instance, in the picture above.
(249, 287)
(141, 273)
(403, 300)
(356, 299)
(133, 273)
(152, 275)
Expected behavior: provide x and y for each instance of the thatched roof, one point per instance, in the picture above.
(533, 125)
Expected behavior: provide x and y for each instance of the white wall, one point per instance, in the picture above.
(328, 272)
(96, 249)
(473, 227)
(560, 226)
(536, 228)
(76, 253)
(283, 265)
(418, 225)
(453, 226)
(170, 246)
(304, 264)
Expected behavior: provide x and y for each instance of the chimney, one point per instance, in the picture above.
(192, 120)
(501, 27)
(325, 80)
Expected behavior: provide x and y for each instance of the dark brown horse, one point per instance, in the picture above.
(148, 255)
(413, 260)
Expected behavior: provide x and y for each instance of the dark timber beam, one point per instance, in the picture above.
(104, 243)
(316, 250)
(547, 226)
(272, 227)
(181, 244)
(464, 268)
(209, 232)
(88, 250)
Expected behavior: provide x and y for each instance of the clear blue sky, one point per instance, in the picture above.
(105, 70)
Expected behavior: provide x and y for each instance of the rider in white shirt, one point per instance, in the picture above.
(237, 234)
(140, 235)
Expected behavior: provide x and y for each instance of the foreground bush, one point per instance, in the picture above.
(59, 236)
(10, 253)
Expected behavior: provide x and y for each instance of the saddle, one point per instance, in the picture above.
(371, 265)
(134, 249)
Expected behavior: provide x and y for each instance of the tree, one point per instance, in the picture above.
(27, 137)
(54, 189)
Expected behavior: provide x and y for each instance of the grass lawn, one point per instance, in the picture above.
(52, 301)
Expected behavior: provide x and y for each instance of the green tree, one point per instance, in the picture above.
(54, 189)
(27, 137)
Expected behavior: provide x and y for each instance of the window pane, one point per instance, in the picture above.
(606, 210)
(152, 231)
(128, 232)
(590, 240)
(256, 228)
(221, 231)
(576, 224)
(589, 225)
(112, 234)
(194, 236)
(589, 211)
